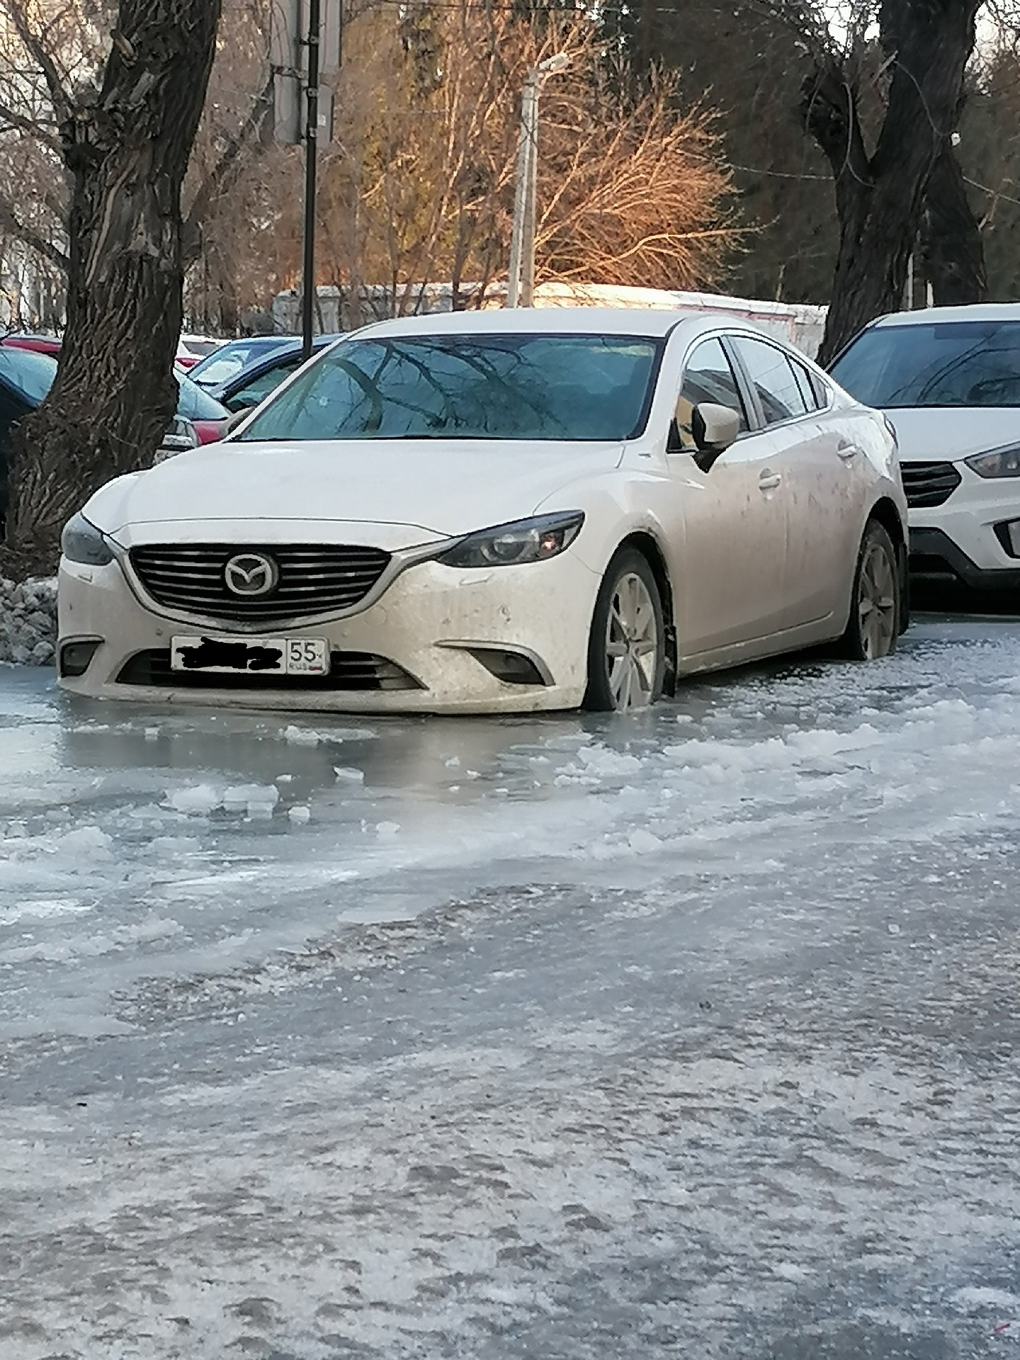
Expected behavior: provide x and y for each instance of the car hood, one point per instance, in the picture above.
(436, 488)
(929, 434)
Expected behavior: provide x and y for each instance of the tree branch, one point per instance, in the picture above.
(30, 125)
(13, 226)
(37, 49)
(224, 172)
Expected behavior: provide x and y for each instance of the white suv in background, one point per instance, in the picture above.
(949, 380)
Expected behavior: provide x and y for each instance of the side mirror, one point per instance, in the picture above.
(237, 417)
(714, 428)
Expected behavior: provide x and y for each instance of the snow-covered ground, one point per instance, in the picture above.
(566, 1037)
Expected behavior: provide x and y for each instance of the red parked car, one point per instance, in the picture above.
(41, 344)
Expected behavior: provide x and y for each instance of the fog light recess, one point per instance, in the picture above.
(1008, 534)
(513, 668)
(76, 657)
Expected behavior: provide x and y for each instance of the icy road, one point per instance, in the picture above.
(569, 1039)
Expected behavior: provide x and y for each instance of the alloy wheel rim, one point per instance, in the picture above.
(876, 603)
(632, 644)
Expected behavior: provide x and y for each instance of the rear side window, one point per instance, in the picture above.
(811, 389)
(822, 393)
(773, 378)
(29, 373)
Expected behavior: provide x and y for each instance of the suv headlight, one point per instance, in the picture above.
(997, 463)
(510, 545)
(83, 542)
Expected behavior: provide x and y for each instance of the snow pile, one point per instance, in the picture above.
(28, 621)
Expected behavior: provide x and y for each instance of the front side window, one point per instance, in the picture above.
(946, 363)
(708, 376)
(534, 387)
(773, 379)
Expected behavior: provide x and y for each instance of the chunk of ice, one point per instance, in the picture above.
(198, 801)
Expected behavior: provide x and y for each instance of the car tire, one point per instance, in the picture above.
(877, 600)
(627, 644)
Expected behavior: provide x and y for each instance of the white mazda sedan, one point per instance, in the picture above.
(496, 511)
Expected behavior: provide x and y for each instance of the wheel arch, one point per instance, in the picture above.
(647, 545)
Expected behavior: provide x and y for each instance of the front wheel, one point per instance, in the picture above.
(875, 606)
(627, 645)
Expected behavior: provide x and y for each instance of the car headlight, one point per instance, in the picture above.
(510, 545)
(997, 463)
(83, 542)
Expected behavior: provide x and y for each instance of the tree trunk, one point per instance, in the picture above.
(952, 253)
(879, 197)
(126, 151)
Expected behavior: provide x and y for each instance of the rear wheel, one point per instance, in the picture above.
(626, 649)
(875, 606)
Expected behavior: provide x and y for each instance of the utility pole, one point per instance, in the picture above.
(311, 166)
(306, 38)
(521, 279)
(524, 179)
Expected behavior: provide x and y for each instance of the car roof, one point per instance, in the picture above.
(644, 321)
(928, 316)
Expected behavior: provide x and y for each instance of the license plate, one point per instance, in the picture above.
(257, 656)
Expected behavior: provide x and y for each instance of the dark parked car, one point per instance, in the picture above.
(209, 417)
(225, 363)
(25, 378)
(251, 385)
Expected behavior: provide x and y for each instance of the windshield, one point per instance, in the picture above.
(947, 363)
(540, 387)
(31, 373)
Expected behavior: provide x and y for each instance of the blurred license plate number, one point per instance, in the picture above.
(257, 656)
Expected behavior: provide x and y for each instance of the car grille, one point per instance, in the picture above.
(314, 579)
(928, 484)
(347, 671)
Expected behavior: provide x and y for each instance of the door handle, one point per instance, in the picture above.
(847, 451)
(768, 481)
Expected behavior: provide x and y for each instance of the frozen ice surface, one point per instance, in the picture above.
(567, 1036)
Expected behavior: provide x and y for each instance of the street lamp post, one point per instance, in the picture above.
(521, 282)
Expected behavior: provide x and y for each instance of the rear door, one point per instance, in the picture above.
(735, 530)
(808, 458)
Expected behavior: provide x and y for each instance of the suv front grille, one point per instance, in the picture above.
(314, 579)
(928, 484)
(347, 671)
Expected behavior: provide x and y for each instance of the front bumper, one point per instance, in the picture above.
(426, 630)
(958, 540)
(935, 560)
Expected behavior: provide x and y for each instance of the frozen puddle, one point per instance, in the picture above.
(139, 843)
(690, 1035)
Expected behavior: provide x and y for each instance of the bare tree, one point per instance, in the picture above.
(124, 139)
(419, 186)
(882, 164)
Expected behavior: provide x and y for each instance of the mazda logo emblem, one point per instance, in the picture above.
(251, 574)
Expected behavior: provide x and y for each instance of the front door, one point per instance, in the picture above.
(731, 587)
